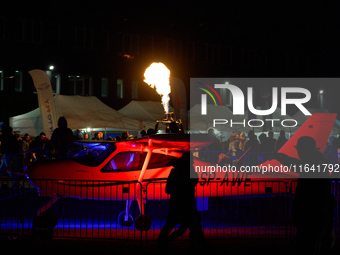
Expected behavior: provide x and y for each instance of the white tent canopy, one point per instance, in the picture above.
(81, 112)
(147, 112)
(29, 122)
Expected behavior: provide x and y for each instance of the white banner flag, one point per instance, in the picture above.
(46, 100)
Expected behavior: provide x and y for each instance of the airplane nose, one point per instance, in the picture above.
(30, 174)
(50, 169)
(37, 170)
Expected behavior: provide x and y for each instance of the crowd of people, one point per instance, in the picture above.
(221, 152)
(15, 150)
(99, 136)
(228, 152)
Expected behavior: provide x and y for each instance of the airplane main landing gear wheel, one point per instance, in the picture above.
(123, 222)
(143, 222)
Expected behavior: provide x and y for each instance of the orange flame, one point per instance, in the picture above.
(157, 75)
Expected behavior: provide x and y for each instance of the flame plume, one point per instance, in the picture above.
(157, 75)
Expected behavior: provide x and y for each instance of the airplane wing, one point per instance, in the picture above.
(183, 142)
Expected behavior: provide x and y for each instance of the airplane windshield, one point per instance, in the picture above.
(126, 161)
(94, 155)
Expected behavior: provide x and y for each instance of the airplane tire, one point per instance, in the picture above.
(143, 222)
(123, 222)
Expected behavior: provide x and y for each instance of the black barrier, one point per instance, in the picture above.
(96, 209)
(238, 215)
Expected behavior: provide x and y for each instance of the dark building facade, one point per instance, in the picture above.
(104, 49)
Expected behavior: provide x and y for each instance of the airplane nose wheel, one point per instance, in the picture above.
(143, 222)
(125, 221)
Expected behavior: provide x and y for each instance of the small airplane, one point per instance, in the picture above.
(91, 173)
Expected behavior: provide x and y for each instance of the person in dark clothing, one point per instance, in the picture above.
(62, 139)
(314, 203)
(271, 141)
(336, 145)
(180, 186)
(263, 145)
(151, 131)
(143, 133)
(38, 145)
(214, 149)
(280, 141)
(78, 135)
(253, 146)
(125, 135)
(9, 147)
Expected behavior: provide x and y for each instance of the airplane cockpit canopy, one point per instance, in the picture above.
(126, 161)
(94, 155)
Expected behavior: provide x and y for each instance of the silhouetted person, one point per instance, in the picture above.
(280, 141)
(213, 149)
(271, 141)
(224, 158)
(331, 151)
(9, 147)
(336, 145)
(125, 135)
(78, 135)
(62, 139)
(330, 147)
(40, 143)
(263, 142)
(253, 145)
(142, 133)
(314, 203)
(173, 128)
(180, 186)
(151, 131)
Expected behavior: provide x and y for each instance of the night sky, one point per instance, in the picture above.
(305, 28)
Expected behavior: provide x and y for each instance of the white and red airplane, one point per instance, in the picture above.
(91, 173)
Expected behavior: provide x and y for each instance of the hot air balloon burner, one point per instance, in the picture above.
(171, 124)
